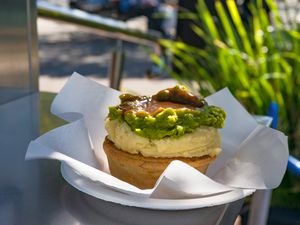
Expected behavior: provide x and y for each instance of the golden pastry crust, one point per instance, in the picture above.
(141, 171)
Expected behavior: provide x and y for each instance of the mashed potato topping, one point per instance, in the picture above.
(202, 141)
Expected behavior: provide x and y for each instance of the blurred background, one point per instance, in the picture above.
(142, 46)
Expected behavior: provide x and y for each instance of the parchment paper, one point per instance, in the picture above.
(253, 156)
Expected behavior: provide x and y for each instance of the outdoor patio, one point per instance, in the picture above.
(258, 65)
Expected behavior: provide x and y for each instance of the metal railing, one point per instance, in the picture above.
(86, 19)
(117, 29)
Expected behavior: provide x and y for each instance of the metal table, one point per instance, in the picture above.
(34, 192)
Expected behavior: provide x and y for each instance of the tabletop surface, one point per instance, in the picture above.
(34, 192)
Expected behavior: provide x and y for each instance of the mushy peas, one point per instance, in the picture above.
(172, 123)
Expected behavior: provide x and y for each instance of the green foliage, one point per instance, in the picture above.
(288, 193)
(47, 120)
(257, 59)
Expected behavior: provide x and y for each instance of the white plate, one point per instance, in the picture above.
(87, 186)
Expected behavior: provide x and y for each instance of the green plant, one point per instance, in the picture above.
(47, 120)
(257, 59)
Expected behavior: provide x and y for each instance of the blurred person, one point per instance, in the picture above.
(154, 12)
(91, 6)
(149, 8)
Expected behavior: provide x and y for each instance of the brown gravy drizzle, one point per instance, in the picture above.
(176, 97)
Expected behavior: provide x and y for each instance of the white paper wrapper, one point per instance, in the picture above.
(253, 156)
